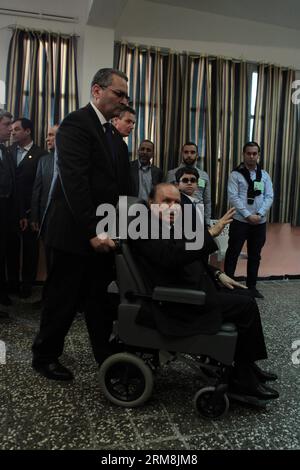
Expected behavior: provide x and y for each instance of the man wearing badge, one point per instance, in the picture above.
(189, 154)
(250, 191)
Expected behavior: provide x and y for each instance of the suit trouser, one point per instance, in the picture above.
(241, 309)
(255, 235)
(3, 241)
(30, 253)
(69, 274)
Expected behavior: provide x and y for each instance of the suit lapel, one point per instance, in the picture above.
(102, 139)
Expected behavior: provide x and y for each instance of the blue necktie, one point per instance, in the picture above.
(109, 138)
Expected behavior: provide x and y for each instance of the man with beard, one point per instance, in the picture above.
(189, 155)
(93, 169)
(144, 175)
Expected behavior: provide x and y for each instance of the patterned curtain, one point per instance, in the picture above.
(275, 128)
(41, 81)
(227, 124)
(154, 82)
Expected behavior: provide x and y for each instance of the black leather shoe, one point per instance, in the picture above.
(259, 390)
(3, 314)
(25, 291)
(5, 299)
(255, 293)
(54, 371)
(262, 375)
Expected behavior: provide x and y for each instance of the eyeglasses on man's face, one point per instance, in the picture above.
(193, 179)
(118, 93)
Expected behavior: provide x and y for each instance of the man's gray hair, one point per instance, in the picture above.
(104, 77)
(4, 113)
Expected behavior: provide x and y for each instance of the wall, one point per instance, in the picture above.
(98, 50)
(181, 29)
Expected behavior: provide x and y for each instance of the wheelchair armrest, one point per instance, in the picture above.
(184, 296)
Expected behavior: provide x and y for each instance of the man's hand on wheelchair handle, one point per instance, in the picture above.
(102, 243)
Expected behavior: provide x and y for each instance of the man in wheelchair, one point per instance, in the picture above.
(167, 262)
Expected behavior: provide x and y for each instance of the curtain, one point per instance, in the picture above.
(227, 124)
(41, 81)
(275, 128)
(154, 81)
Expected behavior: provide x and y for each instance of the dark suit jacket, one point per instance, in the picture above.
(87, 177)
(156, 174)
(41, 187)
(168, 263)
(7, 175)
(25, 175)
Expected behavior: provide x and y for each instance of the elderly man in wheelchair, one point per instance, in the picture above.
(171, 300)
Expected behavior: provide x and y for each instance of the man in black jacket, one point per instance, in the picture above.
(25, 155)
(144, 174)
(6, 199)
(42, 185)
(93, 168)
(167, 262)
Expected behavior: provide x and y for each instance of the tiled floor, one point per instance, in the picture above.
(39, 414)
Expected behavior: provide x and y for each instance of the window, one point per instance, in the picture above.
(254, 78)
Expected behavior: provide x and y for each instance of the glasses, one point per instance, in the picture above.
(118, 93)
(193, 179)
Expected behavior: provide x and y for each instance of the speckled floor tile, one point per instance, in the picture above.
(39, 414)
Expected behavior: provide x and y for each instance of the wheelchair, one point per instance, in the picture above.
(127, 378)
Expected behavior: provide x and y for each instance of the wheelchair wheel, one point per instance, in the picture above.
(126, 380)
(210, 405)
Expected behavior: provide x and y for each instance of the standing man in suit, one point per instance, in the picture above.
(6, 199)
(125, 122)
(42, 182)
(25, 156)
(93, 169)
(189, 154)
(144, 175)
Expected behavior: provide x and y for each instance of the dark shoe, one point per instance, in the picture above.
(13, 288)
(259, 390)
(38, 305)
(54, 371)
(262, 375)
(255, 293)
(25, 292)
(5, 299)
(3, 314)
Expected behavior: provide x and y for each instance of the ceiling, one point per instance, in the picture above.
(106, 13)
(285, 13)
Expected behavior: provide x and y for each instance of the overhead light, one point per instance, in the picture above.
(39, 15)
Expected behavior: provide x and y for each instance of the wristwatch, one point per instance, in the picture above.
(217, 275)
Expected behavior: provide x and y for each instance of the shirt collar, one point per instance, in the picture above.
(99, 114)
(26, 147)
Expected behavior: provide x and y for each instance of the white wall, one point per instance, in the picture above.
(98, 50)
(182, 29)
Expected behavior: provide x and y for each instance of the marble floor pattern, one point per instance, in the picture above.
(39, 414)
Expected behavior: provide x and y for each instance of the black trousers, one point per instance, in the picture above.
(4, 208)
(23, 244)
(241, 309)
(255, 235)
(70, 278)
